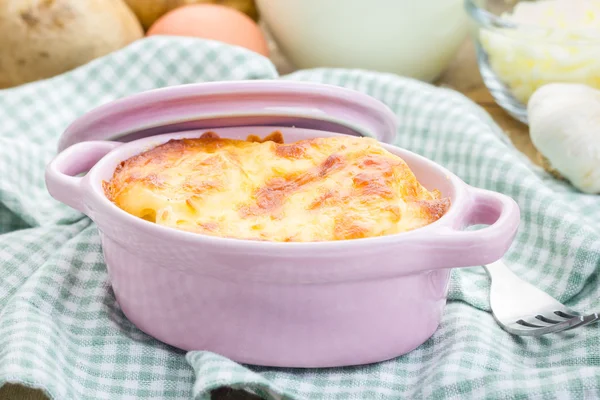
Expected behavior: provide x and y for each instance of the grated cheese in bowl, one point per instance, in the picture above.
(543, 42)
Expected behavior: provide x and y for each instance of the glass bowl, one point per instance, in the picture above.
(517, 54)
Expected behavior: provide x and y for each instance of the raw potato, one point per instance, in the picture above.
(43, 38)
(149, 11)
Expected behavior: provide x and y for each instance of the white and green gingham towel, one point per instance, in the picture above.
(61, 329)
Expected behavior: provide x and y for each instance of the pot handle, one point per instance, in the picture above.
(459, 248)
(61, 173)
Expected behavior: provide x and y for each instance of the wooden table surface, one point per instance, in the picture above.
(463, 76)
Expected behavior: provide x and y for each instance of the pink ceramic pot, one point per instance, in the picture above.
(279, 304)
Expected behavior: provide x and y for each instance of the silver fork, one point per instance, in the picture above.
(524, 310)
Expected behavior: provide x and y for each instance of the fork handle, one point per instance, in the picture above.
(504, 281)
(509, 293)
(501, 274)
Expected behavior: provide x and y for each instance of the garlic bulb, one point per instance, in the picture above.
(564, 124)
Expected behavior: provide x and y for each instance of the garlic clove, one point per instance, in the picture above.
(564, 124)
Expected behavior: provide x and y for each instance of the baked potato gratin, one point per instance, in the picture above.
(333, 188)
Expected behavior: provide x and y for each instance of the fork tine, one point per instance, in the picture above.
(521, 330)
(535, 322)
(567, 313)
(587, 320)
(551, 318)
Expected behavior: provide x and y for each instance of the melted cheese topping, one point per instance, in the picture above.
(313, 190)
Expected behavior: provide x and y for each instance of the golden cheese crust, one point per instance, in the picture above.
(320, 189)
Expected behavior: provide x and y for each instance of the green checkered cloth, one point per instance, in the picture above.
(61, 329)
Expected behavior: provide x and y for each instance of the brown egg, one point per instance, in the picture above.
(149, 11)
(215, 22)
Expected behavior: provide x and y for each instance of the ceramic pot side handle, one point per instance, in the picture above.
(61, 173)
(456, 247)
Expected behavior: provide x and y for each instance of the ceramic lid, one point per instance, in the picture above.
(235, 103)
